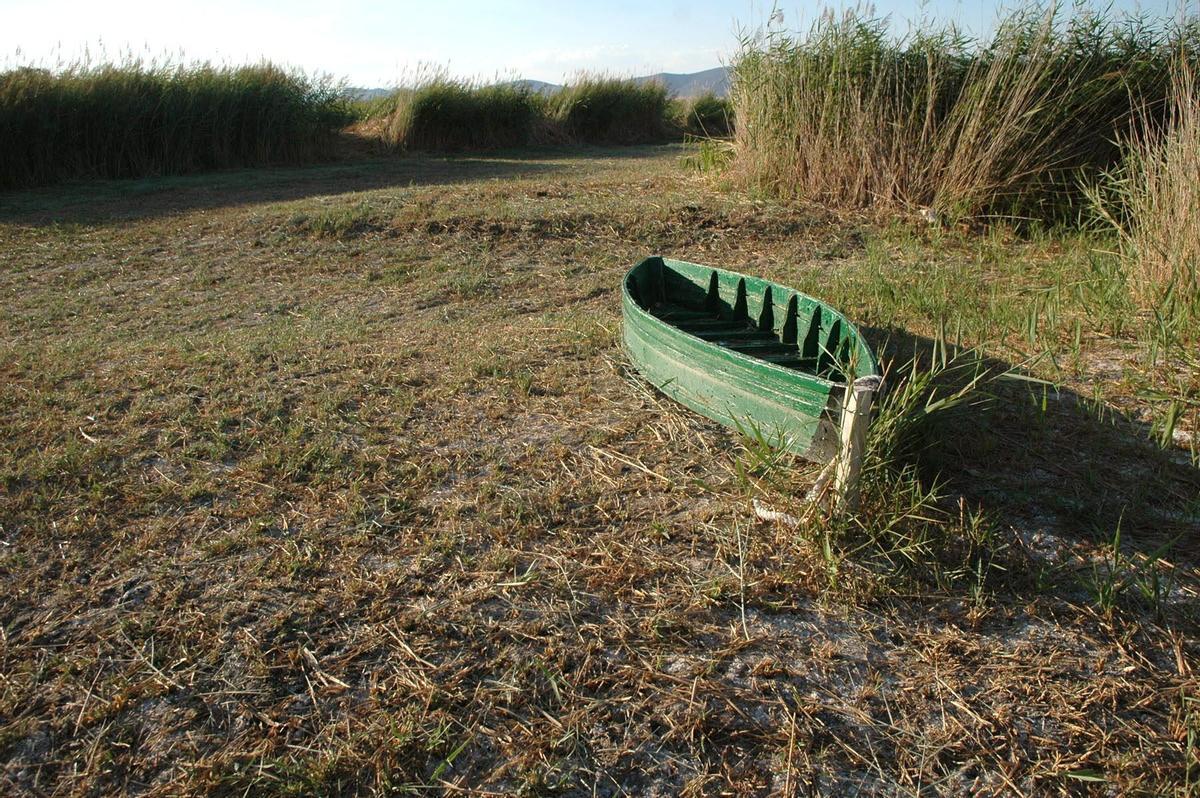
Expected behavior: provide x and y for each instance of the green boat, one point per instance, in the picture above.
(751, 354)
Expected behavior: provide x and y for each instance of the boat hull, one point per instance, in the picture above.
(694, 331)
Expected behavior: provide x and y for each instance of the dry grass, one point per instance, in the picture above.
(853, 115)
(1153, 200)
(336, 481)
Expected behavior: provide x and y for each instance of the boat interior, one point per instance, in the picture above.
(792, 331)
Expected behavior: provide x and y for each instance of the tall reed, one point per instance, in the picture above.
(853, 115)
(447, 114)
(708, 116)
(134, 119)
(1152, 199)
(606, 110)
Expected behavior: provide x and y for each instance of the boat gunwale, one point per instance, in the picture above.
(741, 357)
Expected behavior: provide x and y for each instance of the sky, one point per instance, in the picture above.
(381, 44)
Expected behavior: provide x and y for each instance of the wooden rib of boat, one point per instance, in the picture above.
(752, 354)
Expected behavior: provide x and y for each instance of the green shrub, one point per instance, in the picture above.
(604, 110)
(132, 119)
(447, 114)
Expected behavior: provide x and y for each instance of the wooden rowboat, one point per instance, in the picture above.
(753, 355)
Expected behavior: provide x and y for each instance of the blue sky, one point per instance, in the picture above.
(379, 44)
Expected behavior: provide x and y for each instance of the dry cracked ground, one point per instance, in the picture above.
(336, 481)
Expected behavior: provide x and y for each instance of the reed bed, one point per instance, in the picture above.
(135, 119)
(1152, 199)
(447, 115)
(444, 114)
(707, 116)
(607, 110)
(854, 115)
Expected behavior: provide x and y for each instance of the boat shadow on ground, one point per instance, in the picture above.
(1056, 465)
(100, 202)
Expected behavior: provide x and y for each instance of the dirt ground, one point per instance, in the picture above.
(337, 481)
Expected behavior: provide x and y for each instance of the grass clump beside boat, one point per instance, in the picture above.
(854, 115)
(136, 119)
(902, 526)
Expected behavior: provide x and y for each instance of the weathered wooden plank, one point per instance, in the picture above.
(856, 415)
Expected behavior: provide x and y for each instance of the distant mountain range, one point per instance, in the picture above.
(686, 86)
(681, 85)
(366, 94)
(715, 80)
